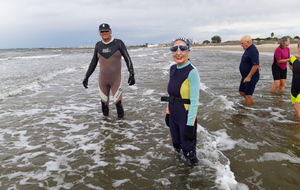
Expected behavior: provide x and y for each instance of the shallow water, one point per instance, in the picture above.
(53, 136)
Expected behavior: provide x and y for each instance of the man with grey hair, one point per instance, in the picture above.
(249, 69)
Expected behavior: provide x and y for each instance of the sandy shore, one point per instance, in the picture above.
(261, 48)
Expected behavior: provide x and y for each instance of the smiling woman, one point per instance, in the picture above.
(183, 90)
(180, 52)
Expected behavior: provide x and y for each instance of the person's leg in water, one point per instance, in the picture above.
(249, 99)
(177, 130)
(117, 93)
(189, 147)
(297, 109)
(242, 87)
(282, 80)
(120, 109)
(282, 85)
(104, 96)
(247, 89)
(275, 86)
(105, 109)
(296, 103)
(175, 134)
(279, 77)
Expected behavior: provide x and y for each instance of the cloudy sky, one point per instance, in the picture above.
(73, 23)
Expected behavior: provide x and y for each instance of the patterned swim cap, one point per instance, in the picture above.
(187, 41)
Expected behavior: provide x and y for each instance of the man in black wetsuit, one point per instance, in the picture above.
(109, 52)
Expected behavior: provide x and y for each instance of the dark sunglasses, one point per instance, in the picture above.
(181, 47)
(104, 31)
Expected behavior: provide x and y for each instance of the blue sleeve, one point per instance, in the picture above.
(194, 79)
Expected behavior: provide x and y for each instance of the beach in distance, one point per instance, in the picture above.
(261, 47)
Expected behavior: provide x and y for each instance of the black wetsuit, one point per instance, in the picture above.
(295, 89)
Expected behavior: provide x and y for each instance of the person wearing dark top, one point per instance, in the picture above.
(183, 101)
(108, 53)
(249, 69)
(294, 64)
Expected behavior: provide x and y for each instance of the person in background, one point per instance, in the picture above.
(109, 52)
(249, 69)
(183, 101)
(279, 66)
(294, 65)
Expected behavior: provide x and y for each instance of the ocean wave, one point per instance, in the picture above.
(213, 157)
(33, 84)
(278, 156)
(35, 57)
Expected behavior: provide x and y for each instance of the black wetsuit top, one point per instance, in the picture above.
(295, 89)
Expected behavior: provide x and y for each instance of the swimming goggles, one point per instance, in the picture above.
(181, 47)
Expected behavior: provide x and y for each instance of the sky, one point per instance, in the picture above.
(74, 23)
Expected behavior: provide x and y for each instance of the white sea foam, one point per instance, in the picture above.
(127, 147)
(148, 92)
(34, 84)
(226, 104)
(224, 141)
(213, 157)
(163, 181)
(118, 183)
(203, 87)
(47, 141)
(278, 156)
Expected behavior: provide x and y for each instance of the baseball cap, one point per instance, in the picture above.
(104, 27)
(187, 41)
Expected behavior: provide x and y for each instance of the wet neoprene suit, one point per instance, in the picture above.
(109, 57)
(184, 83)
(295, 89)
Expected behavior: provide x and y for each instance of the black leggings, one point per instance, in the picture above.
(278, 73)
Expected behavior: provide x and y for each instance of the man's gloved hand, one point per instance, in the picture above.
(85, 82)
(190, 133)
(131, 80)
(167, 120)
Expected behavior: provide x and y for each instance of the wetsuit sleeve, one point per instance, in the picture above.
(194, 96)
(93, 63)
(126, 56)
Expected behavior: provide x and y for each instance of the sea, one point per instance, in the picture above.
(53, 135)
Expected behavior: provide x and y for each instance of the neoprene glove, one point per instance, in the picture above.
(167, 119)
(85, 82)
(190, 133)
(131, 80)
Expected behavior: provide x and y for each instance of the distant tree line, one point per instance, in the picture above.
(214, 39)
(275, 38)
(217, 39)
